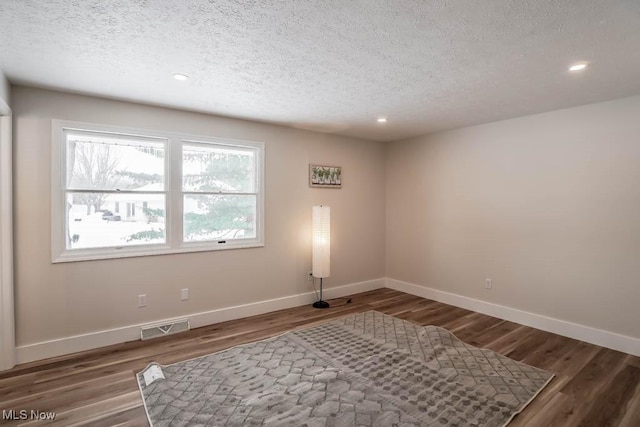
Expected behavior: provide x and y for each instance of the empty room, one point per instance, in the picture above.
(327, 213)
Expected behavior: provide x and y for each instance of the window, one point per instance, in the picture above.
(178, 193)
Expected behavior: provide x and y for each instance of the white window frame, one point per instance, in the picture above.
(173, 191)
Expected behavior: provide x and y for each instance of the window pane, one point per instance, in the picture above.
(219, 217)
(98, 220)
(100, 161)
(216, 168)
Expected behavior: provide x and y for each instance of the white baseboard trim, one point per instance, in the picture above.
(588, 334)
(67, 345)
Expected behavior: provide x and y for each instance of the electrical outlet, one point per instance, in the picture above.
(184, 294)
(488, 284)
(142, 300)
(310, 276)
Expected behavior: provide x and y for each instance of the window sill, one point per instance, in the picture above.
(151, 250)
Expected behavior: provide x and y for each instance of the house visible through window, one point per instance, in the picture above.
(103, 170)
(219, 204)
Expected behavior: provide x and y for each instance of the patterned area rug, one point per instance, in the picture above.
(367, 369)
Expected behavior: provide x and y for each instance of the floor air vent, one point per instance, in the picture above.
(160, 330)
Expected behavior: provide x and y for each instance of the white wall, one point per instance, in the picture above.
(7, 336)
(548, 206)
(5, 95)
(61, 300)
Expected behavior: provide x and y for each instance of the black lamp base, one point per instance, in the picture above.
(321, 304)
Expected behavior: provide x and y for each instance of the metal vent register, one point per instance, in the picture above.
(160, 330)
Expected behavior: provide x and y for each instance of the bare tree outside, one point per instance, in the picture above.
(115, 191)
(94, 166)
(108, 173)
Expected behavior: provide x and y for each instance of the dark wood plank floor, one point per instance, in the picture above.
(594, 386)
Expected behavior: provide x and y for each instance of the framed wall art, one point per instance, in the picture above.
(325, 176)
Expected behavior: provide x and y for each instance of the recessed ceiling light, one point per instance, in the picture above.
(382, 120)
(578, 67)
(181, 77)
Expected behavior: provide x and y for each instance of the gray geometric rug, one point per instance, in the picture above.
(367, 369)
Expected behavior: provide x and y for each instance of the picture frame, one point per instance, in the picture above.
(323, 176)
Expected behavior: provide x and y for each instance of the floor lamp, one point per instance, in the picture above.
(321, 247)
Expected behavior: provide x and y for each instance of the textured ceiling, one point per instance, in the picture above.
(332, 66)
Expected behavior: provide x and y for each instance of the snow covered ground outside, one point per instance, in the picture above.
(94, 232)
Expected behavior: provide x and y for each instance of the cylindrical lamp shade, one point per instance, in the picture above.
(321, 241)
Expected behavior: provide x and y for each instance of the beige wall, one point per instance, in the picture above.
(59, 300)
(548, 206)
